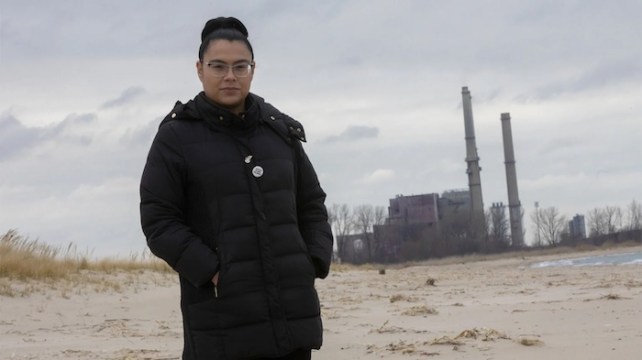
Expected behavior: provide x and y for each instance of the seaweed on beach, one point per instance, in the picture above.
(385, 329)
(610, 296)
(529, 342)
(483, 334)
(446, 340)
(401, 297)
(420, 311)
(401, 346)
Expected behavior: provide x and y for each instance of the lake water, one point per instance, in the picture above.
(628, 258)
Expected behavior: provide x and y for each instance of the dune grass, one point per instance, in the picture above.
(31, 261)
(23, 259)
(26, 260)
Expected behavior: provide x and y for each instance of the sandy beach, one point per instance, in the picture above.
(465, 308)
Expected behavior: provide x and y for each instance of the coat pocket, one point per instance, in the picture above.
(235, 327)
(208, 345)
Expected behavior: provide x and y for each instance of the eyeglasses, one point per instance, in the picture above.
(221, 69)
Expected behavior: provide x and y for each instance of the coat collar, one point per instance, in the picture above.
(217, 116)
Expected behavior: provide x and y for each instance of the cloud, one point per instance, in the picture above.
(354, 132)
(595, 77)
(378, 176)
(129, 95)
(77, 135)
(70, 128)
(141, 135)
(15, 137)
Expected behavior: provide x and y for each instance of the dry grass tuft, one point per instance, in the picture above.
(402, 346)
(387, 329)
(467, 334)
(529, 342)
(612, 297)
(420, 311)
(483, 334)
(445, 340)
(607, 297)
(24, 259)
(401, 297)
(21, 258)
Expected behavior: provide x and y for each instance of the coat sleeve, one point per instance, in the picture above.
(163, 212)
(312, 214)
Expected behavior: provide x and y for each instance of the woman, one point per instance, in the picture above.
(230, 200)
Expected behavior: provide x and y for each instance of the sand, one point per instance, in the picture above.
(454, 309)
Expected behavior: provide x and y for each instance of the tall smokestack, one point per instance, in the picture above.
(474, 180)
(514, 205)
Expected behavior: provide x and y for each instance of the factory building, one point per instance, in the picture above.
(412, 228)
(577, 228)
(415, 209)
(427, 225)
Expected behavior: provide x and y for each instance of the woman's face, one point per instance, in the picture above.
(227, 91)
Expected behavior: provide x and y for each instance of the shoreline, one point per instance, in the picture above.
(490, 307)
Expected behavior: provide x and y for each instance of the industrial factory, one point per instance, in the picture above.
(434, 225)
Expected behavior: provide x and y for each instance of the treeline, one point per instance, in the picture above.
(362, 233)
(551, 228)
(361, 219)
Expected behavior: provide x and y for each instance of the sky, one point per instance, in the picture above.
(377, 85)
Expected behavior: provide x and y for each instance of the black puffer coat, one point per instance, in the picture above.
(238, 195)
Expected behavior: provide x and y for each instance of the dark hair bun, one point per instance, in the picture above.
(223, 23)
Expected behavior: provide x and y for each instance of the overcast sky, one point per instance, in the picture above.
(377, 85)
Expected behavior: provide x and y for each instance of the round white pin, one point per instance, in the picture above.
(257, 171)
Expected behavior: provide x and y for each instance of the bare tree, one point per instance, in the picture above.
(365, 218)
(606, 220)
(379, 215)
(595, 222)
(634, 216)
(613, 219)
(342, 222)
(553, 224)
(538, 225)
(497, 225)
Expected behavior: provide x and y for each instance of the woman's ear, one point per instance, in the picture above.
(199, 69)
